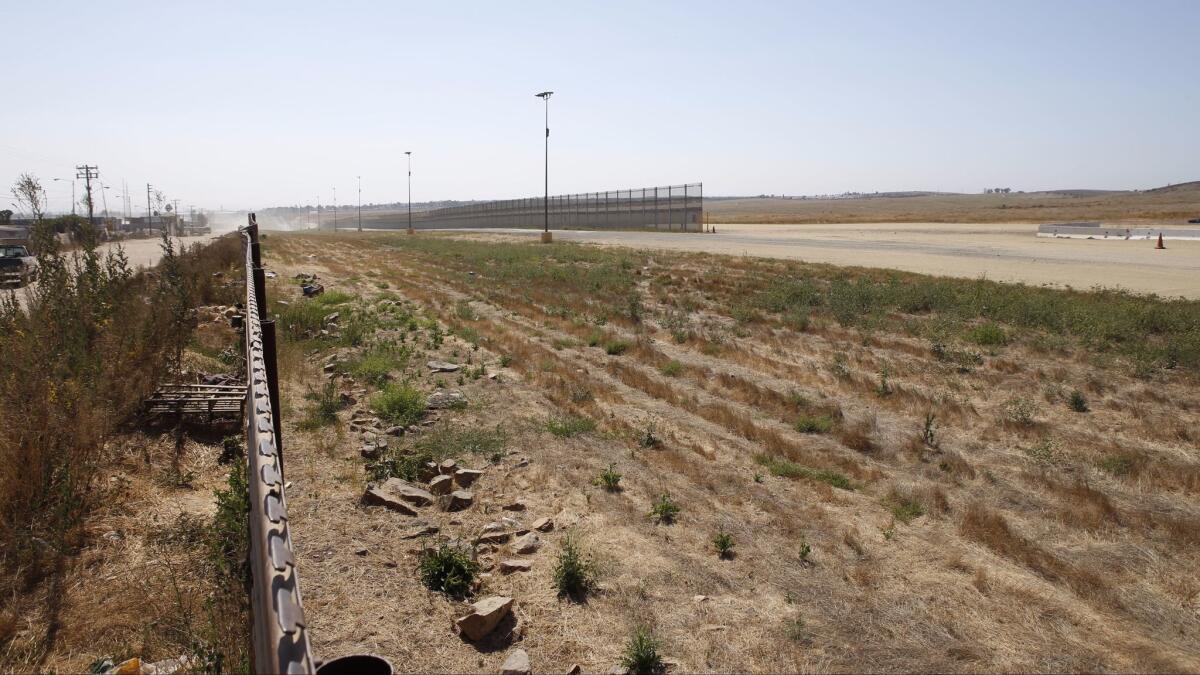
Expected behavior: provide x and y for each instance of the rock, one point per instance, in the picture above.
(485, 548)
(493, 538)
(527, 544)
(484, 617)
(332, 318)
(394, 431)
(428, 471)
(370, 451)
(576, 669)
(441, 485)
(510, 566)
(515, 506)
(543, 525)
(131, 667)
(378, 497)
(408, 492)
(517, 663)
(619, 670)
(448, 467)
(420, 529)
(360, 548)
(457, 500)
(330, 367)
(466, 477)
(443, 399)
(443, 367)
(699, 598)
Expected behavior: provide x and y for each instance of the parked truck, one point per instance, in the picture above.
(18, 267)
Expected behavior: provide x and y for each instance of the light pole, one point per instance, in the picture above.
(335, 209)
(72, 193)
(360, 203)
(410, 227)
(545, 96)
(318, 212)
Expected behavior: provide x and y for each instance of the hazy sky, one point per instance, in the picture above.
(251, 104)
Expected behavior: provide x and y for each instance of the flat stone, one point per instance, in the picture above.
(466, 477)
(378, 497)
(517, 663)
(543, 525)
(443, 367)
(575, 669)
(484, 617)
(441, 485)
(515, 506)
(408, 492)
(510, 566)
(394, 431)
(441, 400)
(527, 544)
(493, 538)
(420, 529)
(448, 467)
(457, 500)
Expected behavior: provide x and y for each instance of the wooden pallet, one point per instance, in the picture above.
(210, 401)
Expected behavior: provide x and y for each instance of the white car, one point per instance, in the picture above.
(17, 265)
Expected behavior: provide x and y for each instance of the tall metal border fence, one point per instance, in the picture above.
(676, 208)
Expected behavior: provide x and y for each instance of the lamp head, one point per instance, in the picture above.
(544, 95)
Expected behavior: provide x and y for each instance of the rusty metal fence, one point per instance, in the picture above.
(676, 208)
(279, 637)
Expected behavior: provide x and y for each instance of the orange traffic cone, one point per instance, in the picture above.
(1159, 245)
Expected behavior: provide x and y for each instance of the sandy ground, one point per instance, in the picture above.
(1002, 252)
(141, 253)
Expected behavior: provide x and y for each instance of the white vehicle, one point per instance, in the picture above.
(18, 267)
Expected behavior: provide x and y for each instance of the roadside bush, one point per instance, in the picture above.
(814, 424)
(988, 335)
(326, 402)
(570, 425)
(665, 510)
(723, 542)
(609, 479)
(400, 404)
(671, 369)
(448, 569)
(641, 655)
(574, 571)
(616, 347)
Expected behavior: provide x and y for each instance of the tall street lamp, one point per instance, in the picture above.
(335, 209)
(360, 203)
(545, 96)
(410, 227)
(72, 192)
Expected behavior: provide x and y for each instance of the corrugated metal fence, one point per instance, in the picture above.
(671, 207)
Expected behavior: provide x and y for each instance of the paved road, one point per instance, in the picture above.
(1002, 252)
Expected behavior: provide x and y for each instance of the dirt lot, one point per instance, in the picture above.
(1002, 252)
(906, 489)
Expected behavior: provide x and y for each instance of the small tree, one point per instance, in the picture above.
(5, 215)
(28, 193)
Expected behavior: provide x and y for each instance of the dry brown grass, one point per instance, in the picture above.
(1037, 531)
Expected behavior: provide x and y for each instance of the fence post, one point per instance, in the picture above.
(655, 207)
(270, 357)
(670, 208)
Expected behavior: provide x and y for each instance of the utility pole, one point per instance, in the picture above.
(176, 218)
(545, 96)
(360, 203)
(149, 211)
(410, 228)
(87, 173)
(318, 212)
(335, 209)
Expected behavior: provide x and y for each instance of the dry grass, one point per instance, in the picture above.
(1035, 542)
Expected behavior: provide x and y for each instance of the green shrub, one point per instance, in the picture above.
(988, 335)
(788, 469)
(229, 547)
(903, 509)
(723, 542)
(1117, 465)
(1020, 411)
(570, 425)
(375, 365)
(399, 404)
(641, 655)
(665, 510)
(574, 571)
(326, 402)
(616, 347)
(648, 439)
(814, 424)
(1077, 402)
(671, 368)
(448, 569)
(609, 479)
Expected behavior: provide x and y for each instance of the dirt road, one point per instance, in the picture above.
(141, 253)
(1002, 252)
